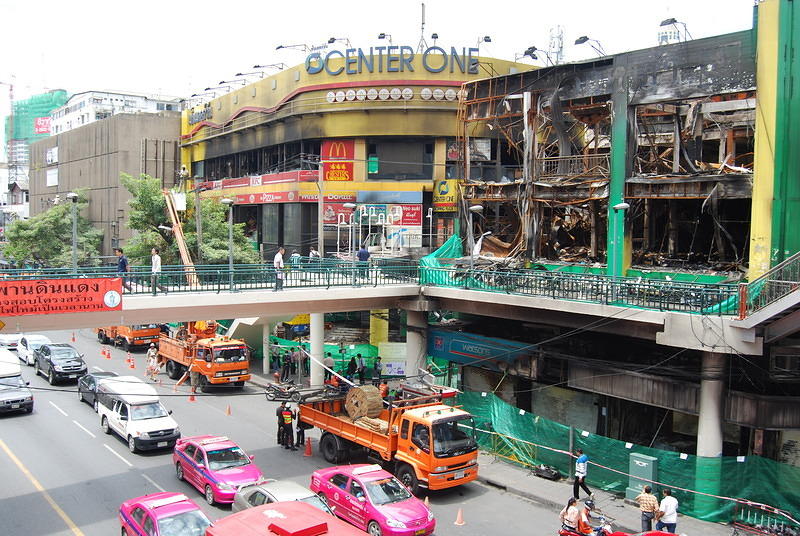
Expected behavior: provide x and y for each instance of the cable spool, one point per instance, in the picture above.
(364, 401)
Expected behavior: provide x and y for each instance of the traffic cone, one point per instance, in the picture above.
(459, 518)
(73, 336)
(132, 362)
(108, 353)
(175, 387)
(308, 448)
(192, 398)
(228, 410)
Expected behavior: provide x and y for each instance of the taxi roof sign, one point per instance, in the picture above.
(218, 439)
(169, 500)
(367, 469)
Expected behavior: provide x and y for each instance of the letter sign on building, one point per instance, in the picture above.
(337, 159)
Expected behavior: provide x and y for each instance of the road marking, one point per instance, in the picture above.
(63, 515)
(79, 425)
(64, 413)
(153, 482)
(98, 369)
(115, 453)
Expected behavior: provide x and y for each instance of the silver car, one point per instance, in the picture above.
(270, 491)
(9, 341)
(29, 344)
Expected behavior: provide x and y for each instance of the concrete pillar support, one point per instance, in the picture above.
(378, 326)
(317, 348)
(712, 403)
(416, 341)
(266, 331)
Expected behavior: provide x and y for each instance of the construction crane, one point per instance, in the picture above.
(177, 232)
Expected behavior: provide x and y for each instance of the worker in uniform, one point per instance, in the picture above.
(279, 415)
(288, 434)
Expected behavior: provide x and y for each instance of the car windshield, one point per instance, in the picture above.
(35, 345)
(11, 383)
(316, 502)
(226, 458)
(144, 326)
(454, 436)
(386, 491)
(192, 523)
(63, 353)
(153, 410)
(230, 354)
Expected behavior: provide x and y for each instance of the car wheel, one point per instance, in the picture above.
(104, 425)
(36, 369)
(132, 445)
(270, 396)
(204, 384)
(209, 495)
(408, 477)
(173, 371)
(374, 529)
(29, 409)
(330, 448)
(51, 378)
(179, 471)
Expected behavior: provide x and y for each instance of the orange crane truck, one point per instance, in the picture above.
(129, 337)
(222, 360)
(426, 443)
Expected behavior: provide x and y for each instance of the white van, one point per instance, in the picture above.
(132, 409)
(14, 392)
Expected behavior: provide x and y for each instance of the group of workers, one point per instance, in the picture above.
(288, 363)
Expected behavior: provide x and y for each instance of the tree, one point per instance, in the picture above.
(46, 239)
(148, 216)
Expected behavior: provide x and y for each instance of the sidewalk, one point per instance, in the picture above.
(506, 476)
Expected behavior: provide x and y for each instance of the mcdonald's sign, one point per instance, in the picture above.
(337, 159)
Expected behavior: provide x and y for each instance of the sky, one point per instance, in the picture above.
(178, 47)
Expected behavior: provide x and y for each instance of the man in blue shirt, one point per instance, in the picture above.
(122, 267)
(581, 468)
(363, 257)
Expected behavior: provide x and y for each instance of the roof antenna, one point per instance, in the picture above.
(422, 44)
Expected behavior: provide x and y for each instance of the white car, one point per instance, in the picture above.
(10, 341)
(27, 345)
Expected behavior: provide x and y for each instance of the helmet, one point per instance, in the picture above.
(152, 345)
(589, 504)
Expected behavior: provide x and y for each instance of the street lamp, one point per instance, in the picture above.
(333, 40)
(278, 66)
(474, 209)
(430, 228)
(229, 203)
(585, 39)
(383, 35)
(484, 39)
(72, 196)
(434, 36)
(352, 206)
(301, 46)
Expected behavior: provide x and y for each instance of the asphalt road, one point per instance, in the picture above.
(62, 476)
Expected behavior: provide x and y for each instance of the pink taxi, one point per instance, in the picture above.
(214, 465)
(373, 500)
(162, 514)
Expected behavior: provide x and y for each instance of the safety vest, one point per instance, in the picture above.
(287, 417)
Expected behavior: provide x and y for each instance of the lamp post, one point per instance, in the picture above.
(430, 228)
(585, 39)
(384, 35)
(229, 202)
(352, 206)
(72, 196)
(474, 209)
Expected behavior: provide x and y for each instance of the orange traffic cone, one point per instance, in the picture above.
(132, 362)
(228, 410)
(459, 518)
(108, 353)
(192, 398)
(308, 448)
(73, 336)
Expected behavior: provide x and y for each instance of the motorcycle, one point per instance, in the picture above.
(605, 529)
(286, 391)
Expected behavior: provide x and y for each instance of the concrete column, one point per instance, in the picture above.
(317, 348)
(618, 236)
(378, 326)
(266, 331)
(712, 404)
(416, 341)
(709, 433)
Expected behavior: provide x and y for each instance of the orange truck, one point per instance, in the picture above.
(129, 337)
(426, 443)
(220, 360)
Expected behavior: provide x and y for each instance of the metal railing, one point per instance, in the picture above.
(779, 281)
(590, 165)
(718, 299)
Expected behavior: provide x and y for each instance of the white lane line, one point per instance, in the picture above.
(64, 413)
(98, 369)
(153, 482)
(115, 453)
(79, 425)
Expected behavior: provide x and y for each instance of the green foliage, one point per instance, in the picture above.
(149, 212)
(46, 239)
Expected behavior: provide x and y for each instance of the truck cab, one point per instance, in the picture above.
(129, 337)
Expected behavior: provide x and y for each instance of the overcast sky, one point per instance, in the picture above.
(179, 47)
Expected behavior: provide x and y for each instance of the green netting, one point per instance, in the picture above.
(530, 440)
(368, 351)
(27, 110)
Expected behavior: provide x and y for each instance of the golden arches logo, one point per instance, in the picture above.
(337, 150)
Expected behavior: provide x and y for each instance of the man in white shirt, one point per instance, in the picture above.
(155, 260)
(278, 264)
(667, 512)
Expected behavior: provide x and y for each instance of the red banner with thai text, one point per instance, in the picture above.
(53, 296)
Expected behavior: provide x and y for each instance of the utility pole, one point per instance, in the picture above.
(423, 45)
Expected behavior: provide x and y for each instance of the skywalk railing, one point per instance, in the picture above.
(779, 281)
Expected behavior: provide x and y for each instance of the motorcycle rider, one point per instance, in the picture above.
(569, 515)
(584, 520)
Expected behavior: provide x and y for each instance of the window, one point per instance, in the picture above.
(339, 480)
(198, 457)
(257, 498)
(190, 451)
(398, 159)
(123, 411)
(149, 526)
(356, 490)
(404, 429)
(138, 514)
(421, 437)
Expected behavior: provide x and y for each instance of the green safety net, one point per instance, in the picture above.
(368, 351)
(26, 111)
(451, 249)
(528, 440)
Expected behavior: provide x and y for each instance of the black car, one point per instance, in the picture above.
(87, 386)
(58, 361)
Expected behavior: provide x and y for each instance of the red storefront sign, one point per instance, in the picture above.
(337, 159)
(412, 214)
(334, 213)
(53, 296)
(266, 197)
(41, 125)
